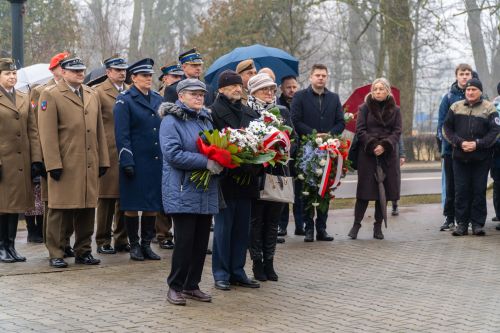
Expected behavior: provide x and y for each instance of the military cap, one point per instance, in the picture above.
(56, 60)
(190, 57)
(191, 85)
(172, 69)
(115, 62)
(7, 64)
(143, 66)
(244, 66)
(75, 64)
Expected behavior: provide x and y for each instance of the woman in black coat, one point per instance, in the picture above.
(378, 129)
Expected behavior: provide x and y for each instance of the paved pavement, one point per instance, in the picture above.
(416, 280)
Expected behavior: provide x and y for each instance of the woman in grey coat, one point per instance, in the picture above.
(191, 207)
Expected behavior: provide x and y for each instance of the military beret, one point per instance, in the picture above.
(474, 83)
(191, 85)
(115, 62)
(144, 66)
(244, 66)
(191, 57)
(75, 64)
(56, 60)
(7, 64)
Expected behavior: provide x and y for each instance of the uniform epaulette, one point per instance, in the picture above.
(51, 87)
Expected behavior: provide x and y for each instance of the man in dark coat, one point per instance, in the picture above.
(317, 109)
(472, 127)
(231, 229)
(463, 73)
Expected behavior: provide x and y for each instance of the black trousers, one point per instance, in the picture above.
(191, 234)
(471, 179)
(449, 202)
(264, 228)
(495, 174)
(360, 210)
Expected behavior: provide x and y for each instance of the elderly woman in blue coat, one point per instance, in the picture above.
(191, 207)
(137, 125)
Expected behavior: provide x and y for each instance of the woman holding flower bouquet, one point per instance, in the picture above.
(190, 206)
(266, 214)
(378, 129)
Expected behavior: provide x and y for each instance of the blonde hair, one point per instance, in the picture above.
(384, 82)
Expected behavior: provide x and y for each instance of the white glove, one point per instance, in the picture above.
(214, 167)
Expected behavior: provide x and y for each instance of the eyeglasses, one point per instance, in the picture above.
(268, 90)
(200, 95)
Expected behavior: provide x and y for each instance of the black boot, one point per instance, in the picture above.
(132, 226)
(5, 256)
(269, 270)
(354, 230)
(33, 236)
(11, 236)
(377, 230)
(258, 270)
(461, 230)
(147, 235)
(39, 226)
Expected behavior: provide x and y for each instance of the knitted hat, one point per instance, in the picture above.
(260, 81)
(228, 78)
(474, 83)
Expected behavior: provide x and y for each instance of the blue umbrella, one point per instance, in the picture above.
(282, 63)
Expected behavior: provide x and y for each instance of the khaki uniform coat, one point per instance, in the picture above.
(109, 183)
(34, 97)
(73, 139)
(19, 147)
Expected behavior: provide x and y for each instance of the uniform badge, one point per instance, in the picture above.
(43, 105)
(33, 105)
(497, 121)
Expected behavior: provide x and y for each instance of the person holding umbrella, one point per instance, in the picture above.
(378, 129)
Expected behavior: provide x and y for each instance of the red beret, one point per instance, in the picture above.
(54, 62)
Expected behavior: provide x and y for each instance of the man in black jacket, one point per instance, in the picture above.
(231, 229)
(472, 127)
(317, 108)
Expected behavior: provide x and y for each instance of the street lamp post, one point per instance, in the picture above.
(17, 11)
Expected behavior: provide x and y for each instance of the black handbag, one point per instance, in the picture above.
(355, 146)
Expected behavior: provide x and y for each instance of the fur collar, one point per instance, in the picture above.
(180, 111)
(383, 112)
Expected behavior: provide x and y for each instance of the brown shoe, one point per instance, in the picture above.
(175, 297)
(197, 295)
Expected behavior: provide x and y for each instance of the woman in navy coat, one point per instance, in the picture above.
(137, 127)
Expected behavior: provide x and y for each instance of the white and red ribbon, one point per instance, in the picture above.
(332, 148)
(277, 137)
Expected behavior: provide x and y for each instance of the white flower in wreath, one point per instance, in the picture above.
(305, 193)
(322, 162)
(301, 177)
(319, 141)
(315, 204)
(319, 171)
(330, 141)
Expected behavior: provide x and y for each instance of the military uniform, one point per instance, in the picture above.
(109, 191)
(189, 57)
(35, 97)
(20, 148)
(74, 142)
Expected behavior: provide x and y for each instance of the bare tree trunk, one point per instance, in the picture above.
(355, 48)
(399, 30)
(477, 44)
(133, 52)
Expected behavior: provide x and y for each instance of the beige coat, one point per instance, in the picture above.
(34, 97)
(108, 184)
(73, 139)
(19, 147)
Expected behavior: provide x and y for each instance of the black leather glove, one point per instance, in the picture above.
(129, 171)
(36, 169)
(56, 174)
(102, 171)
